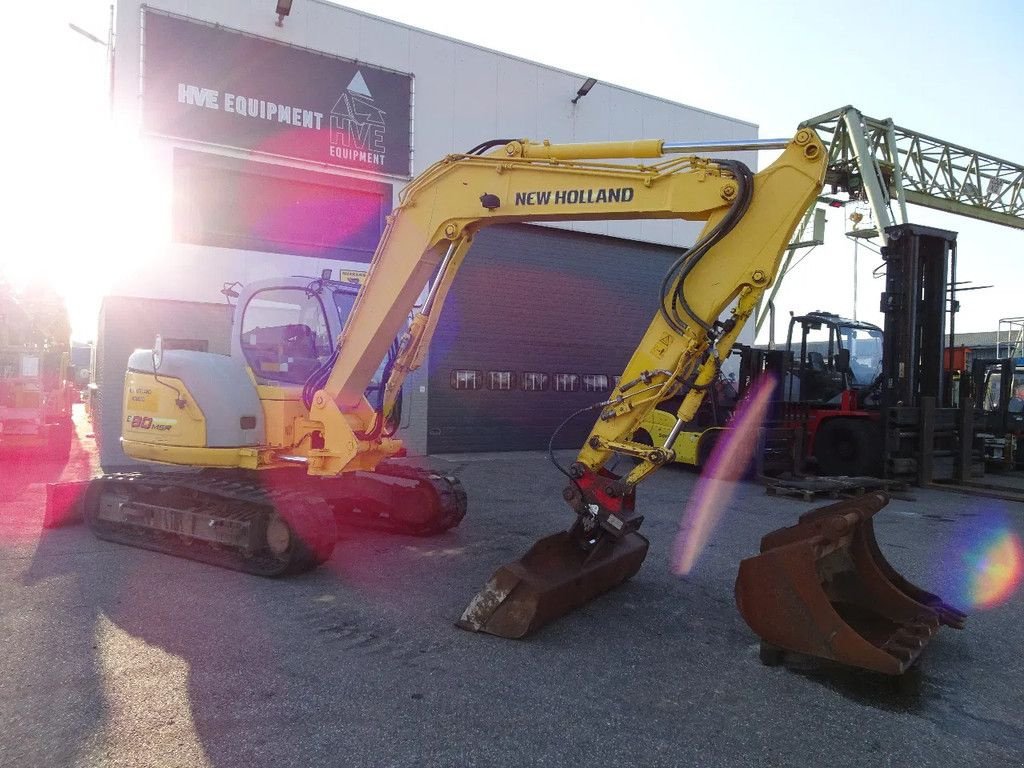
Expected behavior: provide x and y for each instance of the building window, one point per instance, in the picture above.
(195, 345)
(595, 382)
(615, 381)
(535, 382)
(567, 382)
(254, 206)
(502, 381)
(465, 379)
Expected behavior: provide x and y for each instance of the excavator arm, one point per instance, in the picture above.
(749, 220)
(707, 295)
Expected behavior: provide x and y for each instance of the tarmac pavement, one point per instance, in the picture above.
(121, 657)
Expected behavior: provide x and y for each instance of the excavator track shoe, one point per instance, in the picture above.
(553, 578)
(228, 522)
(823, 588)
(397, 498)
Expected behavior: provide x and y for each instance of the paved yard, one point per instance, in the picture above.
(121, 657)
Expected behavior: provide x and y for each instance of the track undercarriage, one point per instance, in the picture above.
(269, 523)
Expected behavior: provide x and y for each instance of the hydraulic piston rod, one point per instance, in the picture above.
(687, 147)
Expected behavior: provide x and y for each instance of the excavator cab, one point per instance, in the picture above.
(286, 332)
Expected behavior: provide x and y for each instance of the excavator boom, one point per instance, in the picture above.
(432, 230)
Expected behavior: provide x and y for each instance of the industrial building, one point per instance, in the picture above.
(283, 141)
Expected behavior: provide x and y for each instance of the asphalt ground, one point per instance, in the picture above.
(120, 657)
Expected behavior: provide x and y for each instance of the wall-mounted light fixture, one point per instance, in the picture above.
(284, 7)
(589, 83)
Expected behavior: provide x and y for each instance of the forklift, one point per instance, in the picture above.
(998, 386)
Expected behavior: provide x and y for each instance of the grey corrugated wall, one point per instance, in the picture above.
(537, 299)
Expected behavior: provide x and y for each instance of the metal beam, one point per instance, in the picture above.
(916, 168)
(880, 162)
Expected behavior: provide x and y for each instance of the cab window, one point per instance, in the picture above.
(285, 336)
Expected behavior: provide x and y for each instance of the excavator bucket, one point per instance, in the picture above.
(823, 588)
(554, 577)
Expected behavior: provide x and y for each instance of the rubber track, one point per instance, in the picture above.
(450, 507)
(305, 512)
(302, 506)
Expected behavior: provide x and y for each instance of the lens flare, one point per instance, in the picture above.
(992, 569)
(718, 482)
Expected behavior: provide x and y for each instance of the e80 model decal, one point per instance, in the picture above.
(148, 422)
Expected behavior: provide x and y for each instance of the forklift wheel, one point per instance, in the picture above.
(847, 447)
(706, 447)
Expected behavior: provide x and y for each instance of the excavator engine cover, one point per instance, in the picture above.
(823, 588)
(554, 577)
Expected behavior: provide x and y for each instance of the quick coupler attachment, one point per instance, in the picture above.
(823, 588)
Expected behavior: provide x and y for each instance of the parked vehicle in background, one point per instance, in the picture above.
(37, 385)
(999, 410)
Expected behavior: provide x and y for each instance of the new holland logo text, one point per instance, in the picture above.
(576, 196)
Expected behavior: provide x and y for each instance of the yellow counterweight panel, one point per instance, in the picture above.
(686, 446)
(659, 424)
(159, 410)
(162, 422)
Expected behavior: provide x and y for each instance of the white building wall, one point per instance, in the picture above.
(463, 95)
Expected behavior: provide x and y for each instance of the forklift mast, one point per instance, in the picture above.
(918, 268)
(919, 434)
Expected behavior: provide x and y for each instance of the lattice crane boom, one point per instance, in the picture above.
(883, 163)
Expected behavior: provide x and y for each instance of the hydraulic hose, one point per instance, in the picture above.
(676, 275)
(318, 380)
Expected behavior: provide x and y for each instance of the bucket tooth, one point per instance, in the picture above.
(554, 577)
(904, 654)
(823, 588)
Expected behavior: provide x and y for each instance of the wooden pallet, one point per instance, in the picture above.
(811, 488)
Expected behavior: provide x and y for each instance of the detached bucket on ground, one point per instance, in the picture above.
(557, 575)
(823, 588)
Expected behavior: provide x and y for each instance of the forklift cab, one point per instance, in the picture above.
(830, 355)
(999, 408)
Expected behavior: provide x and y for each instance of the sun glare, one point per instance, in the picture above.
(91, 205)
(106, 219)
(719, 480)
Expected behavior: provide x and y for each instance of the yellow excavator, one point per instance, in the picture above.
(293, 434)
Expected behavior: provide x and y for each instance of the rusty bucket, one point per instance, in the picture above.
(558, 574)
(823, 588)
